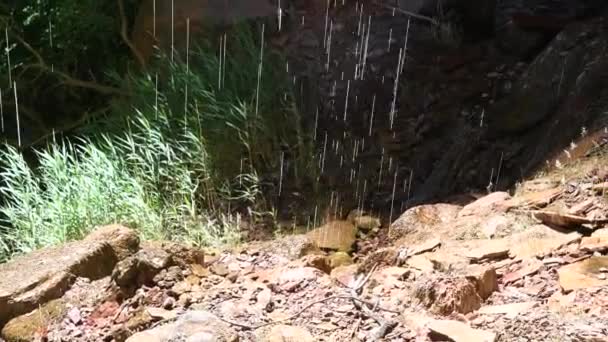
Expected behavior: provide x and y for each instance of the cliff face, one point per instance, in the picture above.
(406, 111)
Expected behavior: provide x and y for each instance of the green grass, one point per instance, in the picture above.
(172, 168)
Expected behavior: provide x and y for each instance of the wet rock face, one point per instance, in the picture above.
(149, 30)
(524, 27)
(457, 106)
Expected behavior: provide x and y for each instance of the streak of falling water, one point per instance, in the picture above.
(154, 19)
(390, 218)
(409, 186)
(499, 168)
(331, 25)
(8, 59)
(371, 119)
(362, 198)
(1, 114)
(326, 22)
(187, 73)
(219, 70)
(281, 173)
(390, 39)
(224, 59)
(360, 20)
(314, 220)
(357, 188)
(395, 88)
(369, 24)
(380, 172)
(346, 99)
(279, 14)
(51, 41)
(407, 35)
(314, 137)
(17, 114)
(156, 96)
(172, 29)
(257, 91)
(324, 151)
(337, 204)
(241, 173)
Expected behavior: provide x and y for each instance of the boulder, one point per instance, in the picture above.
(484, 278)
(26, 327)
(421, 220)
(335, 235)
(192, 326)
(140, 269)
(494, 202)
(124, 241)
(446, 295)
(33, 279)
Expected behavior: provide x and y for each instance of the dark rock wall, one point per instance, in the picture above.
(467, 113)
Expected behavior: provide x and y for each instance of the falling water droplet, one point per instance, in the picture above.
(17, 114)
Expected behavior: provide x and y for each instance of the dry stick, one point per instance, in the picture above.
(125, 35)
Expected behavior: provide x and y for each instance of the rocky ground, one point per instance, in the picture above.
(530, 266)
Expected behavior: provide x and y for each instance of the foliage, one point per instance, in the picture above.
(180, 160)
(49, 44)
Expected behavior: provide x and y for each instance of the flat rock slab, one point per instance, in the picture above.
(459, 332)
(510, 310)
(583, 274)
(33, 279)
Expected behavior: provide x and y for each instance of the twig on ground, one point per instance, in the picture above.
(385, 325)
(306, 307)
(362, 305)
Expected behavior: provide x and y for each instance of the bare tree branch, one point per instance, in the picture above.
(66, 79)
(125, 35)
